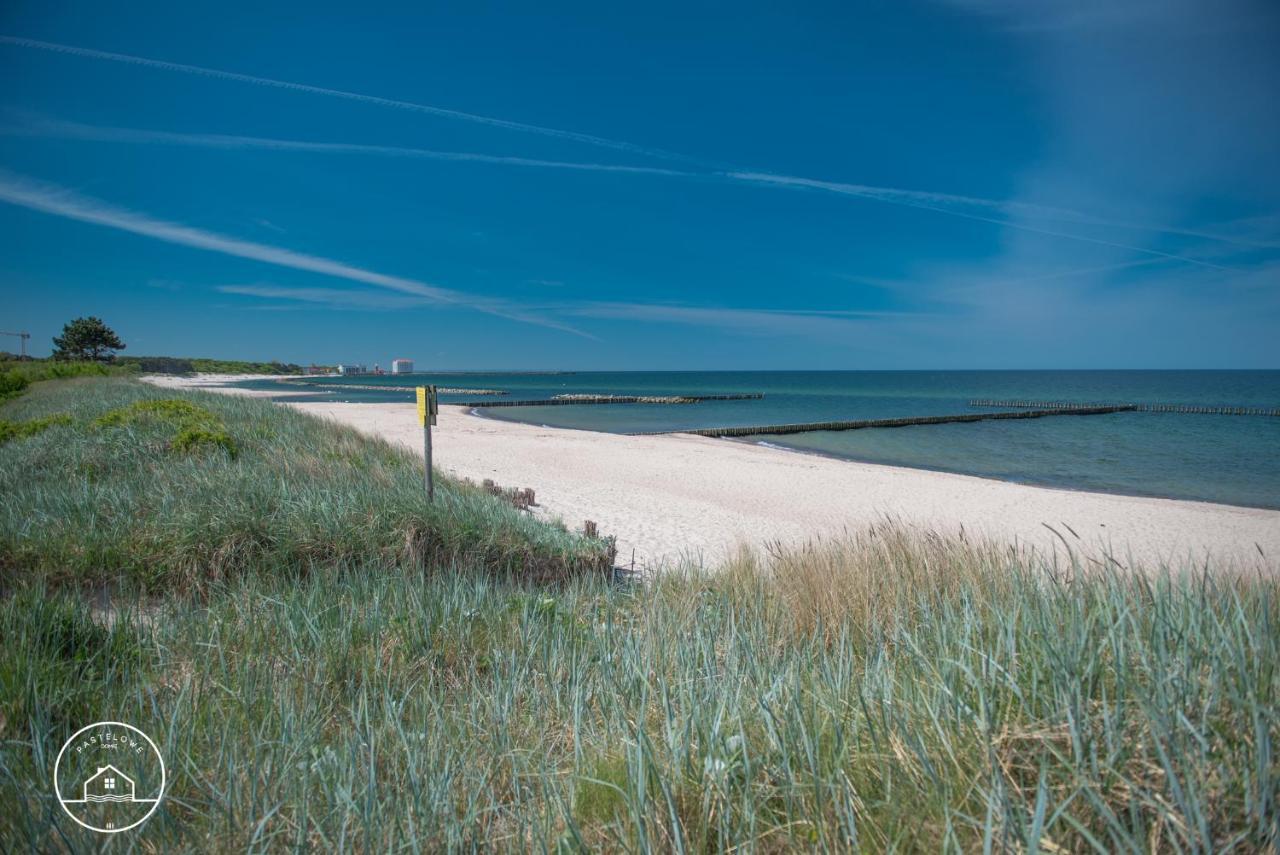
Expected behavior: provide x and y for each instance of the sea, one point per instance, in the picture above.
(1231, 459)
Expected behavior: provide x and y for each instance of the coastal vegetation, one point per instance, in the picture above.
(197, 365)
(86, 340)
(174, 492)
(16, 375)
(328, 661)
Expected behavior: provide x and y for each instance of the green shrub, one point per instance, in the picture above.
(17, 375)
(195, 427)
(192, 438)
(173, 411)
(12, 384)
(21, 430)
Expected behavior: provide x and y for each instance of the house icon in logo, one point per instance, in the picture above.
(108, 784)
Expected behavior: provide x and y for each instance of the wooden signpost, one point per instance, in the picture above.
(428, 408)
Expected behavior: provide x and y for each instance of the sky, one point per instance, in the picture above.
(856, 185)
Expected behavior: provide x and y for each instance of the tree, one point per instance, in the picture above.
(87, 339)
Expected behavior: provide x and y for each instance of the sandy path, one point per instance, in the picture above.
(667, 497)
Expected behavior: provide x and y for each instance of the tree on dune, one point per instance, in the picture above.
(87, 339)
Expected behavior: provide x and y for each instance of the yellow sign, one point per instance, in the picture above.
(427, 406)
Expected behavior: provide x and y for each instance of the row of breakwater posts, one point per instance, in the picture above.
(408, 390)
(576, 400)
(806, 427)
(1134, 407)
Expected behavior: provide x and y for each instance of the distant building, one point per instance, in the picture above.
(352, 368)
(402, 366)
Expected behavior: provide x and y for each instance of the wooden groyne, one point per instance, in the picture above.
(1141, 408)
(408, 390)
(807, 427)
(575, 400)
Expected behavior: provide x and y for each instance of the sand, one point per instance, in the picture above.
(669, 498)
(683, 497)
(221, 383)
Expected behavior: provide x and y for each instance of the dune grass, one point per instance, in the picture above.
(127, 484)
(892, 691)
(934, 696)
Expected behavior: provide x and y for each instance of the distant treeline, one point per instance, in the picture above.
(192, 365)
(150, 365)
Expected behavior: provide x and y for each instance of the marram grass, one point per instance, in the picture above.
(888, 692)
(130, 484)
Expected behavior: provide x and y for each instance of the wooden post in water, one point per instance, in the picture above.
(427, 410)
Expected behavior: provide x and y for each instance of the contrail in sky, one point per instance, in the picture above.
(76, 130)
(339, 93)
(934, 202)
(937, 202)
(58, 201)
(943, 203)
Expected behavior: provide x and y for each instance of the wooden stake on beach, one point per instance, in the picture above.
(427, 410)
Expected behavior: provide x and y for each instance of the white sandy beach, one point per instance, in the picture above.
(673, 497)
(219, 383)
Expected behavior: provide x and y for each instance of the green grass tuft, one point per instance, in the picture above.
(192, 438)
(194, 427)
(21, 430)
(172, 411)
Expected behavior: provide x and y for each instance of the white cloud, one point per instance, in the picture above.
(410, 106)
(58, 201)
(75, 130)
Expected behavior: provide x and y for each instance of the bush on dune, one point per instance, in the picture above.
(17, 375)
(21, 430)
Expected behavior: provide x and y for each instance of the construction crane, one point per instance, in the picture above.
(21, 335)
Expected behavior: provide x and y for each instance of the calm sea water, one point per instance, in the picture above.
(1231, 459)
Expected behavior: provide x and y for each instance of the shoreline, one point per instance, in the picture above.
(679, 498)
(826, 455)
(1039, 485)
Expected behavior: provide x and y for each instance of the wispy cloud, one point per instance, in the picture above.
(337, 298)
(967, 207)
(956, 204)
(943, 203)
(410, 106)
(775, 322)
(757, 321)
(61, 202)
(75, 130)
(1015, 214)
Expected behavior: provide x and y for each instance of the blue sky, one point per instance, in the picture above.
(969, 183)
